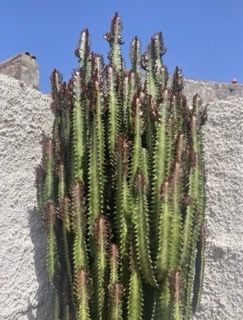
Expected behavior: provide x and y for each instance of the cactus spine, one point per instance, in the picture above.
(121, 188)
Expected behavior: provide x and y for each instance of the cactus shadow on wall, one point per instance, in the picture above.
(43, 292)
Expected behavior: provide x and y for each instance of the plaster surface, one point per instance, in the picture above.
(24, 289)
(222, 297)
(24, 113)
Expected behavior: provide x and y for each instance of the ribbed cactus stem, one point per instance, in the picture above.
(137, 128)
(50, 220)
(113, 109)
(135, 54)
(115, 287)
(121, 188)
(175, 279)
(122, 192)
(135, 298)
(125, 103)
(64, 211)
(162, 262)
(151, 117)
(78, 226)
(175, 237)
(114, 38)
(48, 162)
(140, 213)
(170, 145)
(61, 182)
(158, 50)
(96, 160)
(148, 63)
(82, 51)
(83, 295)
(199, 270)
(188, 225)
(133, 87)
(160, 158)
(100, 265)
(114, 264)
(78, 128)
(39, 182)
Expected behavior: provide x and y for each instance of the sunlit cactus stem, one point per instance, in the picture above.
(135, 54)
(114, 37)
(115, 287)
(121, 188)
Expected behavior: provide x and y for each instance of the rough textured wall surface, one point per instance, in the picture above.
(222, 297)
(23, 280)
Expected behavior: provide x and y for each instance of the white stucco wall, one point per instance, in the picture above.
(222, 297)
(25, 112)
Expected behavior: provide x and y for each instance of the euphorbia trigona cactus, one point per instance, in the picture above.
(121, 188)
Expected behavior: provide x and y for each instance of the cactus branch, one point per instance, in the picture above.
(121, 187)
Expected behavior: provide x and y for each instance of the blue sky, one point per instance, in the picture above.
(204, 37)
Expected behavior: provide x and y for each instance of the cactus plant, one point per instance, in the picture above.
(121, 188)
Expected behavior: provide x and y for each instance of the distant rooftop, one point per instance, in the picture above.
(22, 66)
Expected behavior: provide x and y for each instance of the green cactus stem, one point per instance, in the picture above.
(135, 298)
(121, 188)
(82, 294)
(100, 265)
(114, 38)
(50, 220)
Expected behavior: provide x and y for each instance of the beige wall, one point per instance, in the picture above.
(23, 283)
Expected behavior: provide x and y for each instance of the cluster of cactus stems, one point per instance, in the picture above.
(121, 188)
